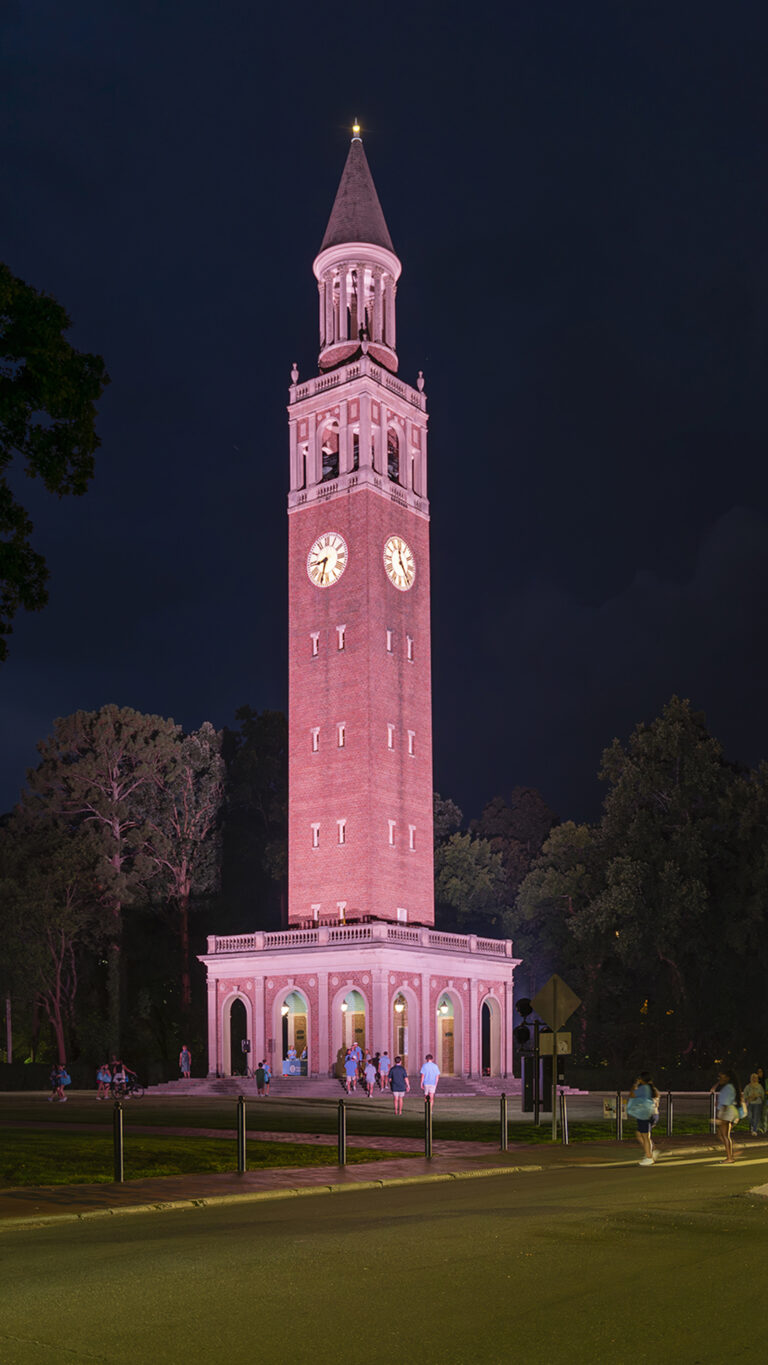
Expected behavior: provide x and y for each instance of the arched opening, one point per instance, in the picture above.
(239, 1059)
(446, 1036)
(329, 446)
(490, 1027)
(400, 1041)
(353, 1020)
(295, 1034)
(393, 456)
(355, 450)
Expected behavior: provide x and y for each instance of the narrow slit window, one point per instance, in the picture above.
(315, 911)
(315, 734)
(412, 743)
(409, 648)
(390, 736)
(341, 906)
(341, 734)
(392, 827)
(315, 638)
(402, 914)
(389, 642)
(315, 836)
(412, 838)
(342, 828)
(341, 636)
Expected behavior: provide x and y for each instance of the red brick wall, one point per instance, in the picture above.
(367, 688)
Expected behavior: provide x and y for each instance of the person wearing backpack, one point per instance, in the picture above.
(642, 1106)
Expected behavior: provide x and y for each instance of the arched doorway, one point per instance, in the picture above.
(400, 1043)
(490, 1026)
(446, 1036)
(294, 1033)
(353, 1020)
(239, 1060)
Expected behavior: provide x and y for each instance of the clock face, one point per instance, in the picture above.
(327, 559)
(399, 563)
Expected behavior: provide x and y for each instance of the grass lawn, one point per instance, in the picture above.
(62, 1158)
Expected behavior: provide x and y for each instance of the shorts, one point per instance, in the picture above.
(728, 1112)
(430, 1089)
(644, 1125)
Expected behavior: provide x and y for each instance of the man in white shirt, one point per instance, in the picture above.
(430, 1075)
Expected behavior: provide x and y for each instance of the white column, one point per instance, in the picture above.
(427, 1023)
(343, 327)
(329, 328)
(314, 455)
(389, 298)
(321, 309)
(294, 457)
(360, 297)
(365, 431)
(474, 1030)
(324, 1059)
(381, 1040)
(379, 450)
(506, 1024)
(213, 1020)
(259, 1033)
(378, 318)
(345, 440)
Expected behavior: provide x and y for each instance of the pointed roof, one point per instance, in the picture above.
(356, 215)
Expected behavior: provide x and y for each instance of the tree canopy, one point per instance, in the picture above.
(48, 395)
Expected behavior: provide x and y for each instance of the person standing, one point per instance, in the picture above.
(728, 1093)
(641, 1106)
(398, 1084)
(260, 1079)
(267, 1077)
(370, 1077)
(185, 1062)
(384, 1065)
(754, 1098)
(350, 1071)
(430, 1075)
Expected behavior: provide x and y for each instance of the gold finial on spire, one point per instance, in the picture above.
(356, 131)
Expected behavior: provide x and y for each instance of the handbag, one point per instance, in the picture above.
(638, 1108)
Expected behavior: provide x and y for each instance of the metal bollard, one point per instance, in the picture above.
(241, 1135)
(117, 1135)
(713, 1113)
(342, 1123)
(619, 1118)
(503, 1134)
(427, 1128)
(670, 1113)
(564, 1118)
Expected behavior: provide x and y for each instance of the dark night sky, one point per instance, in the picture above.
(578, 196)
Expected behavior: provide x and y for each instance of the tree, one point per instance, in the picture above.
(48, 393)
(255, 834)
(49, 913)
(470, 884)
(97, 775)
(562, 881)
(516, 827)
(183, 820)
(447, 818)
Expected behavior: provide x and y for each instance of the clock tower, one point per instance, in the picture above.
(360, 960)
(360, 765)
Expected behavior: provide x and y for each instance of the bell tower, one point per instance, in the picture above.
(360, 727)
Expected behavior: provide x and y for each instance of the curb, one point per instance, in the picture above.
(256, 1197)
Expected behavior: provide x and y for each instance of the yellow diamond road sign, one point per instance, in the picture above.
(555, 1002)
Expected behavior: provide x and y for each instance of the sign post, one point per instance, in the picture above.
(555, 1004)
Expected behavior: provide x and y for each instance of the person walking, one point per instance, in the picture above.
(384, 1065)
(350, 1071)
(260, 1080)
(399, 1084)
(763, 1080)
(430, 1075)
(728, 1093)
(370, 1077)
(185, 1062)
(267, 1077)
(642, 1106)
(104, 1078)
(754, 1098)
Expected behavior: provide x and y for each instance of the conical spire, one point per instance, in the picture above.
(356, 215)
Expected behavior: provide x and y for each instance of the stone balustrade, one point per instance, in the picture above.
(380, 931)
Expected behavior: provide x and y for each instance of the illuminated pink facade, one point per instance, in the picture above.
(361, 958)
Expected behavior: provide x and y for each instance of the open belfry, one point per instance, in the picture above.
(361, 960)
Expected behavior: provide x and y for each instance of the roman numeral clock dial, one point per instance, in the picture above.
(327, 559)
(399, 563)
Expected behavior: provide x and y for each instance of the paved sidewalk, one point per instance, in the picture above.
(42, 1204)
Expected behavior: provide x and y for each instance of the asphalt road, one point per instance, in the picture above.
(615, 1263)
